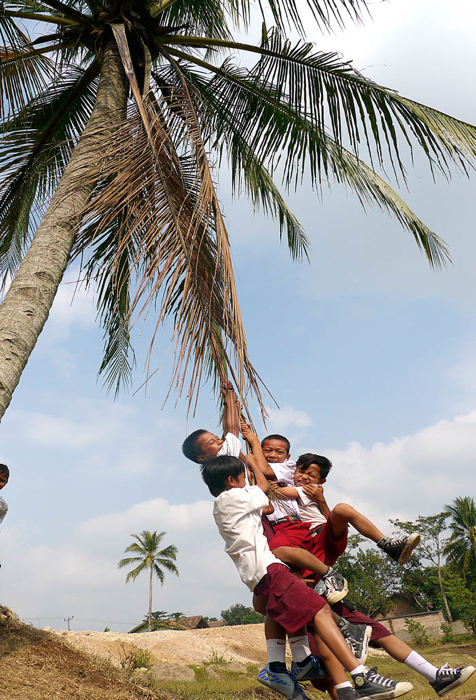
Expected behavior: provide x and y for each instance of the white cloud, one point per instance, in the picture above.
(81, 577)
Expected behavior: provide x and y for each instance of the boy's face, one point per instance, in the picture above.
(275, 451)
(3, 481)
(308, 475)
(209, 446)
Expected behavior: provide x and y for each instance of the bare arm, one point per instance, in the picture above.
(258, 458)
(231, 419)
(288, 491)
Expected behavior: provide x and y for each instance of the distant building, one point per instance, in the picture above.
(196, 622)
(217, 623)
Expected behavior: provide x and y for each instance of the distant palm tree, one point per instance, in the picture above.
(150, 557)
(460, 549)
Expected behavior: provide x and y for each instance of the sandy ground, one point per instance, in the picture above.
(242, 643)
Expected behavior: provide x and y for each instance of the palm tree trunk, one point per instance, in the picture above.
(443, 594)
(150, 597)
(27, 303)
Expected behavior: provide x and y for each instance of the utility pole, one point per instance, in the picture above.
(68, 620)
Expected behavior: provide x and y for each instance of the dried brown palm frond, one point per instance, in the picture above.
(156, 206)
(275, 496)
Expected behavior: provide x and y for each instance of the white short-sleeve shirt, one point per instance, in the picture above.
(3, 509)
(231, 446)
(308, 509)
(237, 513)
(284, 471)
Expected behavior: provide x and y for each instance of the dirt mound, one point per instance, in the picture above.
(245, 644)
(36, 665)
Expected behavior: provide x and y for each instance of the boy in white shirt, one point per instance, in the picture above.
(237, 511)
(202, 444)
(311, 472)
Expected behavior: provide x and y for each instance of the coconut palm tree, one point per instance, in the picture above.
(112, 120)
(149, 557)
(460, 549)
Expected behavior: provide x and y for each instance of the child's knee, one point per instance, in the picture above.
(343, 511)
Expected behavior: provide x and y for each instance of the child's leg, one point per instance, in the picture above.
(343, 514)
(405, 654)
(301, 559)
(327, 631)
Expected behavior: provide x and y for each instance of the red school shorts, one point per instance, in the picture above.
(291, 534)
(288, 601)
(324, 546)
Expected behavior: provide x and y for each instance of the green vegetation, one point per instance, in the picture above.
(242, 686)
(427, 581)
(150, 558)
(239, 614)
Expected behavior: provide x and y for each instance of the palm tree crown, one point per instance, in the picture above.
(143, 215)
(460, 549)
(150, 558)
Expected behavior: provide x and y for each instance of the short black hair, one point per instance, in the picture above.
(277, 437)
(324, 464)
(190, 447)
(216, 471)
(5, 470)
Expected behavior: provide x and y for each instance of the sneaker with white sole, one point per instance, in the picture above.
(310, 669)
(281, 682)
(336, 586)
(399, 548)
(448, 678)
(357, 637)
(371, 686)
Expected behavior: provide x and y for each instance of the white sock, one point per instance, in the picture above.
(276, 650)
(422, 666)
(345, 684)
(359, 669)
(299, 647)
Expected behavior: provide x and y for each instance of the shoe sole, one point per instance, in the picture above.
(267, 684)
(336, 596)
(401, 689)
(413, 541)
(365, 645)
(465, 675)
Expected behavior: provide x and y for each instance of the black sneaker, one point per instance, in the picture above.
(357, 637)
(371, 686)
(336, 586)
(448, 678)
(399, 548)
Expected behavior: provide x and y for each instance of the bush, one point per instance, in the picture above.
(417, 631)
(135, 658)
(447, 633)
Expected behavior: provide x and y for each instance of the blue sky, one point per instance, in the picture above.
(370, 355)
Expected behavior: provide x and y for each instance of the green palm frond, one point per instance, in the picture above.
(112, 270)
(233, 116)
(460, 548)
(328, 91)
(23, 76)
(34, 150)
(147, 546)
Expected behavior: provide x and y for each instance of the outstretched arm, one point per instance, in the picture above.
(231, 418)
(288, 491)
(259, 461)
